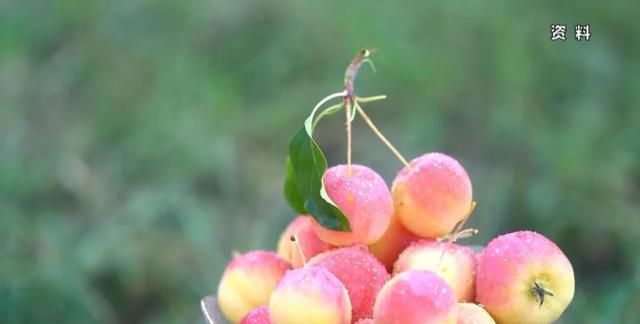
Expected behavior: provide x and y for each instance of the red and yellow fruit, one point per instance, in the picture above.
(360, 272)
(457, 266)
(310, 295)
(395, 239)
(432, 194)
(307, 243)
(469, 313)
(248, 281)
(364, 198)
(523, 277)
(415, 297)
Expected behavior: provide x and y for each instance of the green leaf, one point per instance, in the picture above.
(306, 165)
(291, 190)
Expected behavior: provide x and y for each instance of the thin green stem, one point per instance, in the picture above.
(456, 231)
(370, 99)
(308, 124)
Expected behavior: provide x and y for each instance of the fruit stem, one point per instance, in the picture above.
(347, 111)
(294, 241)
(351, 102)
(453, 236)
(539, 291)
(465, 233)
(381, 136)
(349, 98)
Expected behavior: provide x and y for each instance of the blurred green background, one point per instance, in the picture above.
(142, 141)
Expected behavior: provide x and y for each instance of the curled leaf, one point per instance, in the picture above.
(306, 165)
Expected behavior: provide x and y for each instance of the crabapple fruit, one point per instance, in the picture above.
(432, 194)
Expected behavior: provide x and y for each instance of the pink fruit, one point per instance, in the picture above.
(432, 195)
(469, 313)
(248, 281)
(364, 198)
(259, 315)
(360, 272)
(365, 321)
(310, 295)
(415, 297)
(307, 242)
(457, 268)
(395, 239)
(523, 277)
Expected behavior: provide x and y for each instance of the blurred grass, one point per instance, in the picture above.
(142, 141)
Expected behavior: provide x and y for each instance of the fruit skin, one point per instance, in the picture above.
(248, 281)
(469, 313)
(432, 195)
(395, 239)
(508, 269)
(259, 315)
(365, 321)
(310, 295)
(364, 198)
(415, 297)
(308, 240)
(458, 266)
(360, 272)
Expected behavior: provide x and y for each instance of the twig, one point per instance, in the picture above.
(457, 230)
(350, 98)
(352, 71)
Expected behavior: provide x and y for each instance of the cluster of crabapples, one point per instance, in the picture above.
(393, 267)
